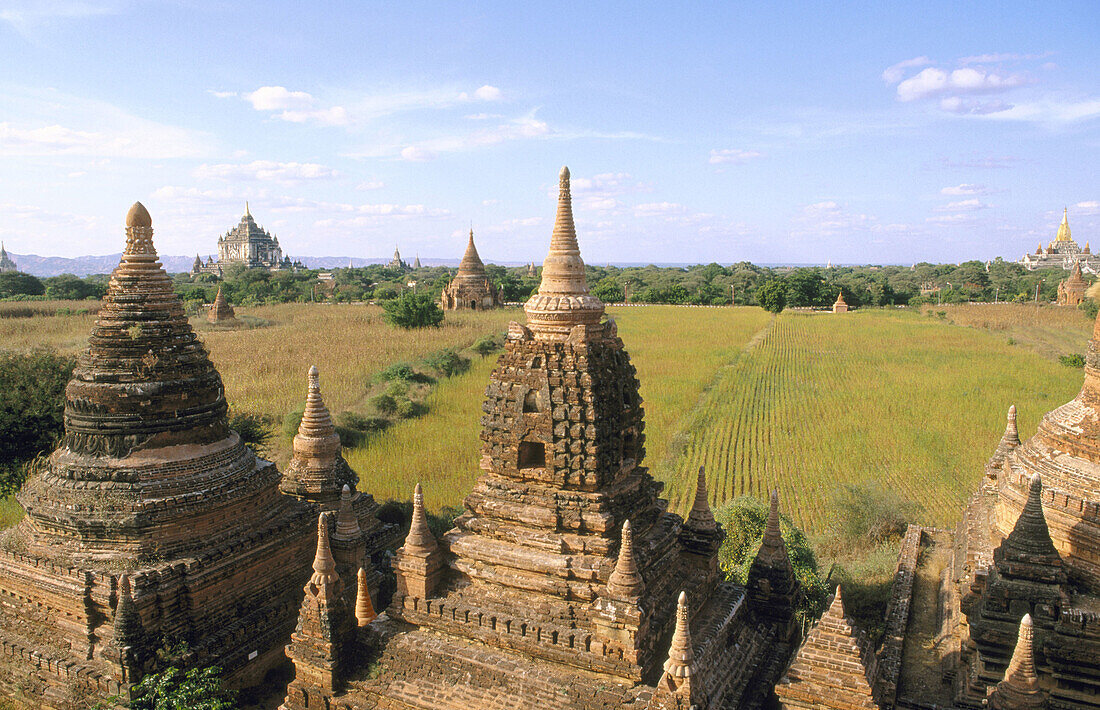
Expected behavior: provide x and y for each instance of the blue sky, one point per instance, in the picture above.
(695, 132)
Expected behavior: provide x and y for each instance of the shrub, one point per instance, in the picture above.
(401, 372)
(32, 401)
(175, 689)
(413, 310)
(447, 362)
(408, 409)
(253, 430)
(383, 403)
(772, 296)
(292, 421)
(1090, 308)
(487, 345)
(609, 290)
(871, 513)
(1074, 360)
(744, 519)
(16, 283)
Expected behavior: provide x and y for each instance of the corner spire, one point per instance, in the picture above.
(420, 535)
(626, 580)
(1020, 688)
(364, 608)
(347, 524)
(139, 235)
(324, 566)
(701, 518)
(681, 656)
(316, 420)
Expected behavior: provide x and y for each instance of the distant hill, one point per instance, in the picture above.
(85, 265)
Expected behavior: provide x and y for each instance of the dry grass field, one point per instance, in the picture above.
(264, 369)
(1046, 329)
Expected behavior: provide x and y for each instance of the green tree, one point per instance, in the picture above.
(32, 391)
(805, 288)
(175, 689)
(772, 295)
(412, 310)
(608, 290)
(744, 520)
(16, 283)
(67, 286)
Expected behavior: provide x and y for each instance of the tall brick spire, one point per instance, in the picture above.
(1028, 550)
(681, 656)
(774, 591)
(563, 301)
(364, 608)
(701, 518)
(419, 562)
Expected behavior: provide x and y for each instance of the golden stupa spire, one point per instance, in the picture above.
(563, 301)
(1063, 228)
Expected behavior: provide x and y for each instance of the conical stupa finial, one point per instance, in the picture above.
(1020, 688)
(347, 523)
(324, 566)
(420, 535)
(316, 420)
(127, 621)
(626, 581)
(139, 234)
(1029, 543)
(681, 656)
(247, 211)
(562, 300)
(701, 517)
(364, 607)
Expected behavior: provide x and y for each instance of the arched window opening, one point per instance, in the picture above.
(531, 401)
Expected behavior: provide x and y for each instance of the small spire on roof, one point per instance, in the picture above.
(626, 580)
(347, 523)
(701, 517)
(420, 535)
(681, 656)
(324, 566)
(1020, 688)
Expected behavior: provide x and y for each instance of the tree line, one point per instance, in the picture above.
(705, 284)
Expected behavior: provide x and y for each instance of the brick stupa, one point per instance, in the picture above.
(559, 585)
(471, 288)
(152, 523)
(221, 311)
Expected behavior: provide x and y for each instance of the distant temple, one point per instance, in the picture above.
(397, 262)
(840, 305)
(248, 244)
(471, 288)
(6, 264)
(1062, 253)
(1071, 292)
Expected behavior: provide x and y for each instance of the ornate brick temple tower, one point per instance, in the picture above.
(221, 311)
(471, 288)
(6, 263)
(152, 523)
(565, 583)
(1071, 292)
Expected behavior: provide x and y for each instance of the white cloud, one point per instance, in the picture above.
(278, 98)
(734, 156)
(936, 82)
(1051, 111)
(143, 139)
(893, 74)
(949, 218)
(829, 218)
(265, 170)
(482, 116)
(370, 185)
(658, 209)
(222, 94)
(965, 189)
(970, 205)
(524, 127)
(488, 93)
(1089, 207)
(997, 58)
